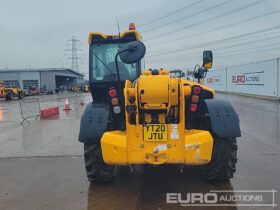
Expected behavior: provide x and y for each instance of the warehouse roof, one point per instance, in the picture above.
(41, 70)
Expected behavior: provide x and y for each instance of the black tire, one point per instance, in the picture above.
(20, 95)
(223, 163)
(9, 96)
(97, 171)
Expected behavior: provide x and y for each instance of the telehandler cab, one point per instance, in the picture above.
(150, 117)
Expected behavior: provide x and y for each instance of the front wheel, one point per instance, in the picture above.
(223, 162)
(97, 170)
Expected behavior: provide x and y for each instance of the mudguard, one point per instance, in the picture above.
(223, 118)
(93, 122)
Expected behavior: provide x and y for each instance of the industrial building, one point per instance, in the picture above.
(48, 79)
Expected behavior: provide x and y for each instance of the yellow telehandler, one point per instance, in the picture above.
(151, 117)
(10, 92)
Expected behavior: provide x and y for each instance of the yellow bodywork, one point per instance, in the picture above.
(135, 33)
(3, 90)
(156, 141)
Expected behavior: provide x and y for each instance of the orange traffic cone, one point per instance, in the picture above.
(82, 101)
(67, 105)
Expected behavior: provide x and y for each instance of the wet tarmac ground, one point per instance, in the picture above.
(41, 163)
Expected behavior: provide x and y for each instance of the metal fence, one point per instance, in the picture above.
(29, 108)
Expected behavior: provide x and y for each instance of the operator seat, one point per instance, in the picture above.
(124, 73)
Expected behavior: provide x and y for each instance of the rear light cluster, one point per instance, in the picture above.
(112, 92)
(196, 90)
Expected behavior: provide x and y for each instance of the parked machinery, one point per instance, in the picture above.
(150, 117)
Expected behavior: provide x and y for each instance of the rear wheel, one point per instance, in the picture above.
(20, 95)
(97, 170)
(223, 162)
(9, 96)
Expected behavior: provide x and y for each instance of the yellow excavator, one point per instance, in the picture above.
(149, 117)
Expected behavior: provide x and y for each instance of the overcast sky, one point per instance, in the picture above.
(35, 32)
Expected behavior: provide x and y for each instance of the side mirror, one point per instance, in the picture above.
(132, 52)
(207, 59)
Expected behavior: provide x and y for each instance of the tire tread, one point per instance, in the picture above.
(97, 170)
(223, 163)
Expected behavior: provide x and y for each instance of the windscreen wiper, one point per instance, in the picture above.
(108, 69)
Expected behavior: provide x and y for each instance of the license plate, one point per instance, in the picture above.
(155, 132)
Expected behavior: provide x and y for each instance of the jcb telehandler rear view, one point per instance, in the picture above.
(151, 117)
